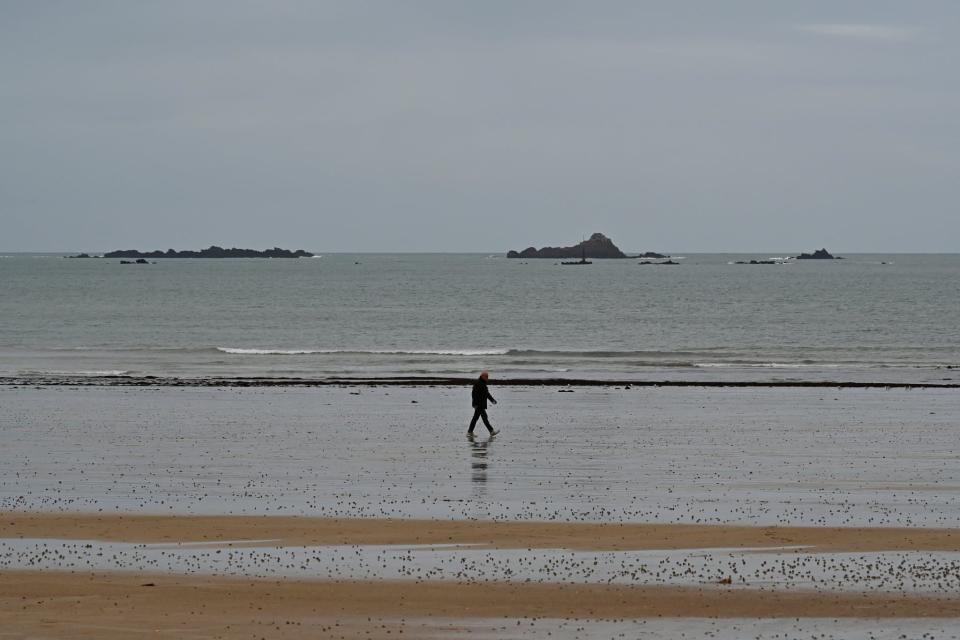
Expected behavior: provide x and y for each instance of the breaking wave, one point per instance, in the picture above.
(701, 359)
(770, 365)
(412, 352)
(97, 373)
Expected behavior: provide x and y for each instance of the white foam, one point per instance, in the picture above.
(767, 365)
(445, 352)
(266, 352)
(102, 372)
(82, 372)
(417, 352)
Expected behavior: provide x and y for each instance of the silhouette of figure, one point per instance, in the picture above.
(480, 395)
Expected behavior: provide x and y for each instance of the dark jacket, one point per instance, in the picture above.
(481, 394)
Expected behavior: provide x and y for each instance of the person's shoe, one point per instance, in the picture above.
(494, 432)
(470, 434)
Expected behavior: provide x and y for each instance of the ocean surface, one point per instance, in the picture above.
(880, 318)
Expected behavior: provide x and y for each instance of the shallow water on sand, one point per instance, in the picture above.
(672, 628)
(932, 573)
(752, 456)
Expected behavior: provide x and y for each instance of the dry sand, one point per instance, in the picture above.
(304, 531)
(120, 606)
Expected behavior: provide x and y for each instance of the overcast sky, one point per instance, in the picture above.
(480, 126)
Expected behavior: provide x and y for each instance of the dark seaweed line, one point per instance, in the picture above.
(154, 381)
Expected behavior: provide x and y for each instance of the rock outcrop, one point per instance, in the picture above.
(819, 254)
(598, 246)
(213, 252)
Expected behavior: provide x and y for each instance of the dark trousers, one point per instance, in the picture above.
(477, 414)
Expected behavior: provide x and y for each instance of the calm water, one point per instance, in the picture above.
(856, 319)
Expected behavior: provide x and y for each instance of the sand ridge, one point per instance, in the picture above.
(123, 605)
(306, 531)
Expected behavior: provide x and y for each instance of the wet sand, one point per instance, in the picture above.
(781, 457)
(283, 531)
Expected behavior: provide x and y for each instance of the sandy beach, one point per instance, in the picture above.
(118, 604)
(111, 606)
(364, 512)
(283, 531)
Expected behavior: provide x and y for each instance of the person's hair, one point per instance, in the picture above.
(484, 374)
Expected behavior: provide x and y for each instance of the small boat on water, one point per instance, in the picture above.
(582, 260)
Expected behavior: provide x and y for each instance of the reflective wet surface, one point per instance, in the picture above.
(671, 628)
(754, 456)
(767, 568)
(479, 463)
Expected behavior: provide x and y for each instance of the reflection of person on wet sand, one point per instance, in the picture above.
(478, 463)
(480, 396)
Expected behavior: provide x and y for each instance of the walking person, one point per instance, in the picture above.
(480, 394)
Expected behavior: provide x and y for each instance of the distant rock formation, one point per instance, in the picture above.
(213, 252)
(598, 246)
(819, 254)
(81, 255)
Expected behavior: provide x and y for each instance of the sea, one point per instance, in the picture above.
(890, 318)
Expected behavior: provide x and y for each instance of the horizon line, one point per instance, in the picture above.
(674, 253)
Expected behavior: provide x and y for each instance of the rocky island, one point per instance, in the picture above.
(819, 254)
(212, 252)
(597, 246)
